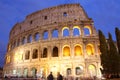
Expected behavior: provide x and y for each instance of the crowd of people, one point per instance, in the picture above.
(51, 77)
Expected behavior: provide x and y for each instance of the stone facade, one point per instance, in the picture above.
(58, 39)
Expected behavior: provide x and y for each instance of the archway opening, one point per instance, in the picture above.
(55, 52)
(66, 51)
(92, 70)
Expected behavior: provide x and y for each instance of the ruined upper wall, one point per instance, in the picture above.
(58, 14)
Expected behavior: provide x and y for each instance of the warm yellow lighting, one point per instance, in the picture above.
(92, 70)
(78, 50)
(7, 59)
(91, 67)
(90, 49)
(66, 51)
(64, 29)
(9, 47)
(18, 56)
(77, 27)
(54, 70)
(88, 27)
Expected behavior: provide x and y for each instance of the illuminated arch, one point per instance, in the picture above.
(18, 56)
(90, 49)
(25, 72)
(33, 72)
(76, 31)
(43, 70)
(66, 51)
(87, 30)
(55, 52)
(92, 70)
(19, 72)
(37, 36)
(79, 70)
(45, 35)
(7, 59)
(55, 33)
(78, 50)
(65, 32)
(69, 71)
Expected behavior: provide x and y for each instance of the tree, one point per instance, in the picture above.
(117, 32)
(113, 56)
(104, 53)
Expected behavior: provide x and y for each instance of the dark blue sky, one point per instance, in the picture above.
(105, 13)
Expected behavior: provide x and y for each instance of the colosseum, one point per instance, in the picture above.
(56, 39)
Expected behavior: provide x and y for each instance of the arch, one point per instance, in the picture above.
(78, 50)
(45, 35)
(66, 51)
(79, 70)
(65, 32)
(55, 33)
(43, 71)
(69, 71)
(14, 71)
(18, 56)
(92, 70)
(37, 36)
(33, 72)
(23, 40)
(7, 59)
(25, 72)
(19, 72)
(29, 40)
(55, 52)
(27, 55)
(65, 14)
(35, 54)
(76, 31)
(45, 52)
(90, 49)
(87, 30)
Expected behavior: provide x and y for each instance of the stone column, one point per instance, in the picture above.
(49, 52)
(82, 30)
(60, 33)
(60, 51)
(71, 30)
(33, 38)
(49, 34)
(72, 49)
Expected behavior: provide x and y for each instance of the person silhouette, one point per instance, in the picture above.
(50, 76)
(59, 76)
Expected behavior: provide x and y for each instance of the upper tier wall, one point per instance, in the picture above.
(58, 14)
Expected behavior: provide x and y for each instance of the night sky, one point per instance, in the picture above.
(105, 13)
